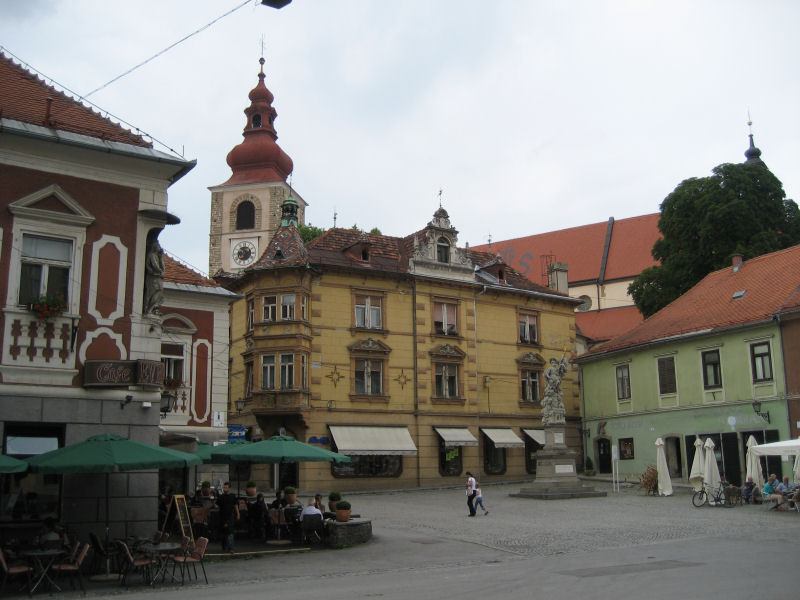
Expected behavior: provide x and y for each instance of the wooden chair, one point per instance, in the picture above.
(193, 559)
(72, 567)
(141, 563)
(13, 571)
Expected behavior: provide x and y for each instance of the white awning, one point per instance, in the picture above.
(208, 435)
(359, 440)
(537, 435)
(503, 438)
(456, 436)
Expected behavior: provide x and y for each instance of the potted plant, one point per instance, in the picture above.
(291, 494)
(251, 488)
(333, 498)
(342, 511)
(48, 306)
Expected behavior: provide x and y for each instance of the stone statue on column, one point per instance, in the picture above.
(154, 279)
(553, 412)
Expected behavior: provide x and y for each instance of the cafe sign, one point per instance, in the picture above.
(121, 373)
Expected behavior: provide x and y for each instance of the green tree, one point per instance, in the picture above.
(740, 209)
(309, 232)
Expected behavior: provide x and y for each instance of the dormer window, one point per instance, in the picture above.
(501, 275)
(256, 120)
(443, 250)
(364, 254)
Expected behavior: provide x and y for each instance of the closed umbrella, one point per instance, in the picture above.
(710, 468)
(697, 472)
(664, 481)
(9, 464)
(753, 463)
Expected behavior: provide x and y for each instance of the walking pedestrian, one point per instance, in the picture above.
(471, 493)
(479, 499)
(228, 515)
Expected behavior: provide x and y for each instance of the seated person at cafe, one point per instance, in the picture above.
(747, 490)
(50, 534)
(783, 486)
(280, 500)
(310, 509)
(319, 503)
(770, 491)
(257, 517)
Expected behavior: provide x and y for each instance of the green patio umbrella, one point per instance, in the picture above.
(12, 465)
(110, 453)
(277, 449)
(218, 455)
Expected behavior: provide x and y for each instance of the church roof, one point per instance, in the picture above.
(27, 98)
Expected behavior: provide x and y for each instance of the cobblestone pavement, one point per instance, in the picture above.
(420, 535)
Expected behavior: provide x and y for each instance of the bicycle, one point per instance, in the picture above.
(711, 495)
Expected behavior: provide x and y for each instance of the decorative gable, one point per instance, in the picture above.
(531, 359)
(436, 253)
(52, 204)
(369, 346)
(448, 351)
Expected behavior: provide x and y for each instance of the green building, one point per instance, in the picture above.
(714, 363)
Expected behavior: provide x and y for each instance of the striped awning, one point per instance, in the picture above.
(456, 436)
(503, 438)
(537, 435)
(360, 440)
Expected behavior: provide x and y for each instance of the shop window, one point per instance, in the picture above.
(626, 449)
(531, 448)
(369, 466)
(450, 462)
(494, 458)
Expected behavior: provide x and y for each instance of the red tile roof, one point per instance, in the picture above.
(285, 249)
(175, 272)
(582, 249)
(24, 97)
(603, 325)
(760, 288)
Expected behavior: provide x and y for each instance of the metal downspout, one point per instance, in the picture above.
(477, 372)
(416, 376)
(785, 381)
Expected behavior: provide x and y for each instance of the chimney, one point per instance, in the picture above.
(737, 262)
(557, 277)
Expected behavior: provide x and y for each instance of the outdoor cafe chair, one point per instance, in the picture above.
(104, 557)
(13, 571)
(194, 558)
(310, 528)
(141, 563)
(72, 567)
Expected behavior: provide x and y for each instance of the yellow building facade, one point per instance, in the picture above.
(418, 359)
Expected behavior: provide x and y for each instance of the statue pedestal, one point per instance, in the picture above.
(556, 478)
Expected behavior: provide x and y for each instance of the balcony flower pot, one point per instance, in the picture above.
(48, 306)
(333, 498)
(291, 494)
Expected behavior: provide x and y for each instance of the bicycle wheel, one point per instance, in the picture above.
(700, 498)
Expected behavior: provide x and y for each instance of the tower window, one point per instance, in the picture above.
(443, 250)
(246, 215)
(256, 120)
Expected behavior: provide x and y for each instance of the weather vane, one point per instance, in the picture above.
(440, 197)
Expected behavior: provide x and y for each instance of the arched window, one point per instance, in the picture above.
(246, 215)
(443, 250)
(256, 120)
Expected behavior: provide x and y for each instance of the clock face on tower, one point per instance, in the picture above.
(244, 253)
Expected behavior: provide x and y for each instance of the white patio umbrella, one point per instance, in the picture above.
(710, 468)
(697, 472)
(753, 463)
(664, 481)
(796, 470)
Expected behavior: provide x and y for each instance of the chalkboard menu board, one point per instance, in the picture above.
(180, 509)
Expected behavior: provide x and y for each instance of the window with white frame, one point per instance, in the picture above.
(528, 328)
(287, 307)
(445, 320)
(443, 250)
(623, 382)
(268, 372)
(172, 359)
(667, 383)
(45, 264)
(446, 380)
(287, 371)
(369, 377)
(304, 307)
(761, 362)
(530, 385)
(712, 371)
(368, 312)
(270, 308)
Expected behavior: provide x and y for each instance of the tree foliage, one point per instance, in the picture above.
(309, 232)
(740, 209)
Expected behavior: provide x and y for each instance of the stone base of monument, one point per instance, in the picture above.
(556, 478)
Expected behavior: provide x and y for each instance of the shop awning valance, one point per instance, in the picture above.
(537, 435)
(503, 438)
(360, 440)
(456, 436)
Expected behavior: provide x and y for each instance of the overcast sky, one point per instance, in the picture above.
(530, 115)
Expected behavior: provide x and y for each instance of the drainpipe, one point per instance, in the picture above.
(413, 285)
(785, 381)
(477, 371)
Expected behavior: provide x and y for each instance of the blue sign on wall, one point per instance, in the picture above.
(236, 433)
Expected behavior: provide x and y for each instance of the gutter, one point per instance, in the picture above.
(477, 371)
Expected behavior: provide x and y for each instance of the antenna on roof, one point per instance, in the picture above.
(489, 238)
(262, 45)
(334, 217)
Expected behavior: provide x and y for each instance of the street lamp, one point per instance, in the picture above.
(167, 403)
(757, 410)
(239, 404)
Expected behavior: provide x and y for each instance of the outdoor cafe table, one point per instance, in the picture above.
(43, 560)
(161, 551)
